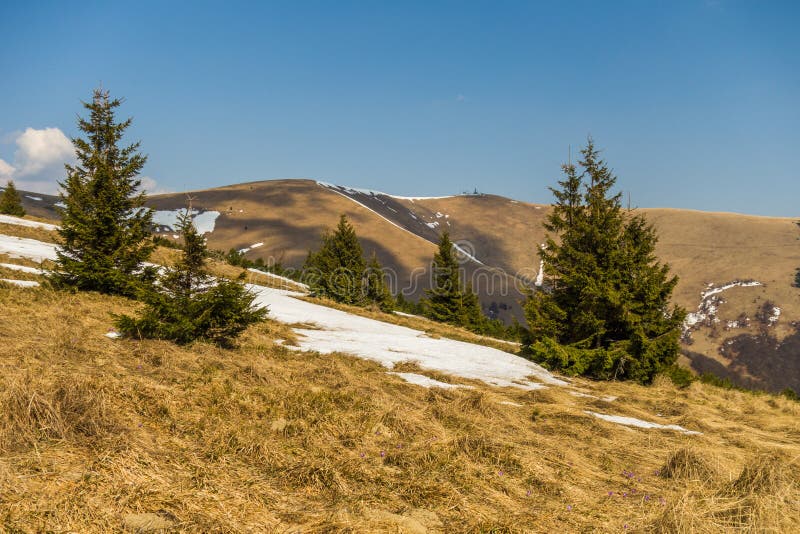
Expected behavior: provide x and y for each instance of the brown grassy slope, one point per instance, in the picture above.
(96, 434)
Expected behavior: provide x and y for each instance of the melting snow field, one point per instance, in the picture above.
(389, 344)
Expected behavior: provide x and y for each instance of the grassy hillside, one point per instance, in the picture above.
(99, 434)
(703, 248)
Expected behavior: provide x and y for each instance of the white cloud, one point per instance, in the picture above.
(39, 160)
(40, 150)
(151, 187)
(6, 170)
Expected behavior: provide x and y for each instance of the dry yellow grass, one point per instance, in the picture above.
(99, 434)
(40, 234)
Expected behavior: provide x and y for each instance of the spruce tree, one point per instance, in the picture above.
(447, 300)
(105, 226)
(187, 304)
(336, 270)
(377, 291)
(11, 202)
(604, 310)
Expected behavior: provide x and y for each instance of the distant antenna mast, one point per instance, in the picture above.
(189, 200)
(629, 201)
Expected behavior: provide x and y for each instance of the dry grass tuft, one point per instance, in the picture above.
(686, 464)
(35, 410)
(765, 474)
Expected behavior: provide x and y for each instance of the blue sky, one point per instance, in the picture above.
(696, 103)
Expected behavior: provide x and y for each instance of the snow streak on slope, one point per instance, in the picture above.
(340, 190)
(18, 221)
(389, 344)
(632, 421)
(21, 268)
(20, 283)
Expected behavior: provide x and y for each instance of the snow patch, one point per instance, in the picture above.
(38, 199)
(18, 221)
(388, 344)
(20, 247)
(20, 283)
(432, 225)
(776, 313)
(709, 304)
(251, 247)
(204, 222)
(21, 268)
(426, 382)
(632, 421)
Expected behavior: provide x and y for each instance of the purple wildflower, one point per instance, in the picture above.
(383, 453)
(569, 507)
(647, 497)
(363, 455)
(610, 493)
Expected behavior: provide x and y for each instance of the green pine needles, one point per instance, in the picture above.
(448, 300)
(338, 271)
(11, 202)
(105, 227)
(187, 304)
(604, 311)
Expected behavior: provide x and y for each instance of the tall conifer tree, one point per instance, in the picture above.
(605, 308)
(11, 202)
(377, 290)
(448, 301)
(104, 226)
(336, 270)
